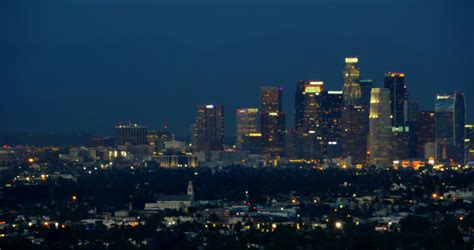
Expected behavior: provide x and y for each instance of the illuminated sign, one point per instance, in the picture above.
(312, 89)
(248, 111)
(210, 106)
(443, 97)
(395, 74)
(352, 59)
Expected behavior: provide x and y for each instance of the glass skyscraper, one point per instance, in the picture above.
(450, 119)
(380, 135)
(354, 115)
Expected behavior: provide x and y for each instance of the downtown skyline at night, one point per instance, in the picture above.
(236, 124)
(132, 61)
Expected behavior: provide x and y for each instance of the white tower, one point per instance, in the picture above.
(191, 191)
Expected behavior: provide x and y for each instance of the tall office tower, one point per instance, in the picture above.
(395, 83)
(352, 93)
(310, 131)
(366, 89)
(450, 119)
(425, 132)
(331, 124)
(299, 104)
(354, 128)
(272, 120)
(469, 141)
(412, 124)
(210, 128)
(300, 99)
(380, 128)
(132, 134)
(247, 122)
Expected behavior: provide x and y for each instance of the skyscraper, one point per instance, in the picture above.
(247, 122)
(300, 99)
(131, 134)
(209, 128)
(450, 119)
(354, 127)
(272, 120)
(310, 131)
(380, 128)
(366, 88)
(331, 124)
(469, 141)
(395, 83)
(352, 94)
(425, 131)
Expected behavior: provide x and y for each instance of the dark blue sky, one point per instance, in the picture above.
(84, 65)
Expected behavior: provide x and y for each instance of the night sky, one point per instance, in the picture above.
(85, 65)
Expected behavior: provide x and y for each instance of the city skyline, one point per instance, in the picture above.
(236, 124)
(139, 56)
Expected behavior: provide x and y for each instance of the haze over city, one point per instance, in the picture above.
(72, 66)
(236, 124)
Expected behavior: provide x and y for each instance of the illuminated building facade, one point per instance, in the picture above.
(132, 134)
(425, 131)
(247, 122)
(272, 120)
(380, 135)
(178, 160)
(210, 128)
(469, 142)
(303, 87)
(450, 119)
(310, 131)
(354, 127)
(352, 93)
